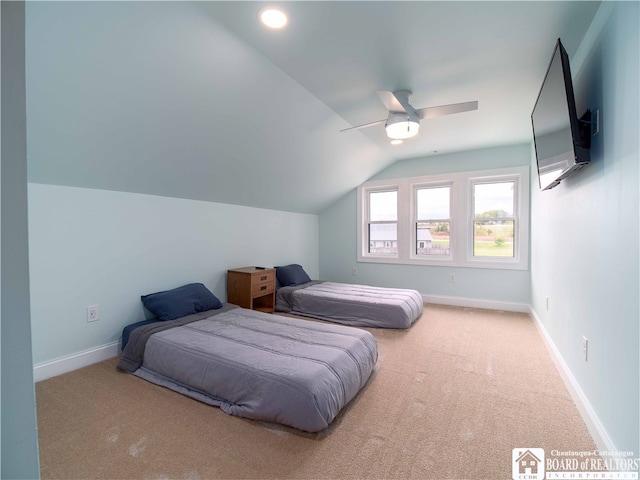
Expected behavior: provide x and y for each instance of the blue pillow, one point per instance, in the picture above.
(290, 275)
(181, 301)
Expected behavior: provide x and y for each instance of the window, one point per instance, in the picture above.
(471, 219)
(382, 230)
(493, 219)
(432, 223)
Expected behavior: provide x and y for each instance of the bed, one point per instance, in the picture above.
(350, 304)
(253, 364)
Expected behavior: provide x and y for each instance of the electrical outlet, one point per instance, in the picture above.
(354, 272)
(452, 279)
(93, 313)
(585, 348)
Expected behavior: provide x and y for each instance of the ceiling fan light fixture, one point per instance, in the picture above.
(401, 126)
(273, 17)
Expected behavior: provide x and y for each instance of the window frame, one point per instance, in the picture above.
(363, 240)
(413, 213)
(518, 246)
(460, 222)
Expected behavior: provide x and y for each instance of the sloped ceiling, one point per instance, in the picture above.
(197, 100)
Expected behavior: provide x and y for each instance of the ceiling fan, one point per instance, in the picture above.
(403, 120)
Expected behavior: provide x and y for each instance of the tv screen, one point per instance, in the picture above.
(561, 139)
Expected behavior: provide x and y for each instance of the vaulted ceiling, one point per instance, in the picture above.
(198, 100)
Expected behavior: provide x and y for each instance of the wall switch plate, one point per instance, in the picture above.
(354, 272)
(585, 348)
(93, 313)
(546, 299)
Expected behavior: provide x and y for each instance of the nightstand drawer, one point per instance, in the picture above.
(263, 288)
(262, 277)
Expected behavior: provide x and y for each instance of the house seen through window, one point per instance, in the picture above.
(383, 222)
(432, 221)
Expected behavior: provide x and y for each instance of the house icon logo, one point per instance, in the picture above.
(528, 463)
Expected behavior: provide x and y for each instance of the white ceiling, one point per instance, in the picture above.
(197, 100)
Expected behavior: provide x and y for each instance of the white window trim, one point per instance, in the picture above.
(363, 221)
(413, 217)
(461, 232)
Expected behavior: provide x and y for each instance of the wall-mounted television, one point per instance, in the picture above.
(562, 140)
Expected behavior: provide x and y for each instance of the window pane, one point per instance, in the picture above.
(432, 238)
(433, 203)
(383, 206)
(493, 200)
(383, 238)
(493, 238)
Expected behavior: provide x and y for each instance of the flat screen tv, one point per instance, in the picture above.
(562, 140)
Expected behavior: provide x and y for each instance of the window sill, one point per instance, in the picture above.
(448, 262)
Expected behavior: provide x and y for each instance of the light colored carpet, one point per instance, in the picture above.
(450, 398)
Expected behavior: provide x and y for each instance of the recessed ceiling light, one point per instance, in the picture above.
(273, 17)
(396, 141)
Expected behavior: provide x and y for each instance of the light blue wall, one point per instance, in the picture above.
(97, 247)
(338, 238)
(161, 98)
(585, 233)
(19, 436)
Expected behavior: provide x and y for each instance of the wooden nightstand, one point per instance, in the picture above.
(253, 288)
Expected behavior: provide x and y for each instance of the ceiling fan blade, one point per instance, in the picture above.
(441, 110)
(370, 124)
(390, 101)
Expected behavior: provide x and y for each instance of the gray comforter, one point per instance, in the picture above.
(351, 304)
(257, 365)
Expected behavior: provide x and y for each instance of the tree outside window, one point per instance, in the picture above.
(494, 219)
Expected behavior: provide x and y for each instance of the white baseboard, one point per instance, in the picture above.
(66, 364)
(602, 440)
(476, 303)
(56, 367)
(597, 431)
(591, 420)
